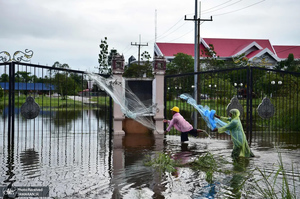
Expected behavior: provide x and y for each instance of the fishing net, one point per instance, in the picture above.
(205, 112)
(131, 106)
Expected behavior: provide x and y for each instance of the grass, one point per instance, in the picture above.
(266, 186)
(269, 187)
(52, 102)
(162, 162)
(206, 163)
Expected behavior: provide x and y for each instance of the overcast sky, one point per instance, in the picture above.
(70, 31)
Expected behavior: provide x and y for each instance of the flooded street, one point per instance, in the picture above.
(87, 164)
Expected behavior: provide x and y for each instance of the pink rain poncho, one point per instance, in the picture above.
(234, 125)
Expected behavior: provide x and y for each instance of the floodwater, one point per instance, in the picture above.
(77, 158)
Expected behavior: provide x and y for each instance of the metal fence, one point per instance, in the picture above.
(37, 100)
(269, 99)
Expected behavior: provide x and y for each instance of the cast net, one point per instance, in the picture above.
(205, 112)
(131, 106)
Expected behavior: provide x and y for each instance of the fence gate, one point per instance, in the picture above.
(38, 101)
(268, 99)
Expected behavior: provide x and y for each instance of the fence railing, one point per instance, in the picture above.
(35, 98)
(269, 98)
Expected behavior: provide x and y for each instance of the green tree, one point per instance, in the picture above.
(22, 76)
(145, 56)
(211, 61)
(290, 64)
(240, 61)
(138, 71)
(64, 84)
(1, 92)
(4, 78)
(112, 53)
(103, 58)
(182, 63)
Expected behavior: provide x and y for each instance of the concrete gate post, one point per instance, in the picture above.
(159, 76)
(118, 70)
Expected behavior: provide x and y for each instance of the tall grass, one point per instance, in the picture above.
(265, 185)
(269, 187)
(162, 162)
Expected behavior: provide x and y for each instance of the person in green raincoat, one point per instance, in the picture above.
(238, 137)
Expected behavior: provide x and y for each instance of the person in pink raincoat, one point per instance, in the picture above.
(180, 124)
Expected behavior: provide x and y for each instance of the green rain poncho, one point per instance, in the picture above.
(234, 125)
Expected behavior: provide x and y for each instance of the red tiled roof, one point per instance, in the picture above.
(171, 49)
(284, 51)
(253, 53)
(223, 47)
(230, 47)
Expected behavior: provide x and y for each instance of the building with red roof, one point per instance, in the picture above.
(226, 49)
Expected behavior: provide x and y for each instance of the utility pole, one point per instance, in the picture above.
(199, 42)
(196, 53)
(139, 46)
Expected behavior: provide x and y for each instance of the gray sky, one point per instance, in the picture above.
(70, 31)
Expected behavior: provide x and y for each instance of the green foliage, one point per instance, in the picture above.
(22, 76)
(211, 60)
(112, 53)
(181, 64)
(103, 58)
(216, 86)
(1, 92)
(289, 64)
(4, 78)
(138, 71)
(240, 60)
(162, 162)
(59, 65)
(269, 186)
(145, 56)
(64, 82)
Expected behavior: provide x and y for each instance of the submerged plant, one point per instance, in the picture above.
(206, 163)
(163, 162)
(271, 188)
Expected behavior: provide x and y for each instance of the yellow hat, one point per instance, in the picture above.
(175, 109)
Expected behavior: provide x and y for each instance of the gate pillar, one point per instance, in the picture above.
(159, 75)
(118, 70)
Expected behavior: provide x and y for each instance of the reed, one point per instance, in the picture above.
(162, 162)
(269, 186)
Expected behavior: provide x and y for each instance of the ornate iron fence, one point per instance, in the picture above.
(267, 99)
(37, 99)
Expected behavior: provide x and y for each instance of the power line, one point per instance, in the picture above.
(216, 6)
(182, 35)
(206, 11)
(240, 8)
(126, 48)
(173, 31)
(171, 28)
(165, 33)
(223, 7)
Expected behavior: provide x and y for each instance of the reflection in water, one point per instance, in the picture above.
(10, 191)
(29, 159)
(85, 163)
(239, 176)
(60, 120)
(131, 178)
